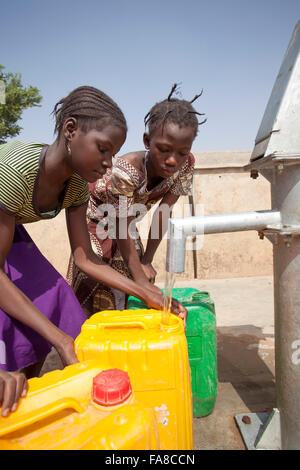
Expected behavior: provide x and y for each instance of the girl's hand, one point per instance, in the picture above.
(154, 288)
(155, 300)
(179, 310)
(13, 386)
(149, 271)
(144, 282)
(66, 350)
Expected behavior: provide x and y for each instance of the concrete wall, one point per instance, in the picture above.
(220, 186)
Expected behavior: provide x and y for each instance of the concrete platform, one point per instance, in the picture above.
(245, 329)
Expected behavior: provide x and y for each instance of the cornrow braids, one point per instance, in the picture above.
(91, 107)
(177, 111)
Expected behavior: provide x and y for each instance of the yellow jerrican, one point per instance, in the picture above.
(155, 356)
(59, 414)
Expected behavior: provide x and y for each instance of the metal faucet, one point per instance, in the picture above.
(180, 228)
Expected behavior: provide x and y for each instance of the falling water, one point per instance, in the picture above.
(169, 284)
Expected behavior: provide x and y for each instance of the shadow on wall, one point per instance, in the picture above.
(246, 360)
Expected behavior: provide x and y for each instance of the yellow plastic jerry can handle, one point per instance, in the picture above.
(14, 423)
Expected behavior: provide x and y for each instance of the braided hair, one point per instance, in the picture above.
(177, 111)
(91, 107)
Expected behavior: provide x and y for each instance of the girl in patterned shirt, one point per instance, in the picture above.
(162, 174)
(37, 306)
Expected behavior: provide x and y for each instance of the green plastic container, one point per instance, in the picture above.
(202, 345)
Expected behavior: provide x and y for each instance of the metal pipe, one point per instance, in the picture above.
(179, 228)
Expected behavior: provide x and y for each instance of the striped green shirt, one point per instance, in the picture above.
(19, 175)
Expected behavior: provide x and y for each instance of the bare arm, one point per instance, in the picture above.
(159, 226)
(142, 270)
(129, 253)
(96, 268)
(17, 305)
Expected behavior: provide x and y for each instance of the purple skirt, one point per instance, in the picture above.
(30, 271)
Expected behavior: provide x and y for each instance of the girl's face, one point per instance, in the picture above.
(169, 149)
(92, 152)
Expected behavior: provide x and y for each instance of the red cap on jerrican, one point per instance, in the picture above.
(111, 387)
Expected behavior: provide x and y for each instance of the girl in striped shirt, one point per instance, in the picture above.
(37, 307)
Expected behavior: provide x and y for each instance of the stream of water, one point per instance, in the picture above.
(169, 284)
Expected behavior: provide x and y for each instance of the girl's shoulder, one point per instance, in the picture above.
(188, 166)
(133, 159)
(16, 153)
(191, 160)
(130, 166)
(19, 146)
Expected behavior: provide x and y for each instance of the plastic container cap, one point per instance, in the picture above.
(111, 387)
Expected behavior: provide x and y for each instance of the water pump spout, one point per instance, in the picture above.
(180, 228)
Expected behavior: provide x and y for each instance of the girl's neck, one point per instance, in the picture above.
(56, 167)
(152, 178)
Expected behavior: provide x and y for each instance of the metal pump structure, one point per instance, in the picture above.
(276, 156)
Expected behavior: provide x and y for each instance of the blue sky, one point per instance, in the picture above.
(135, 50)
